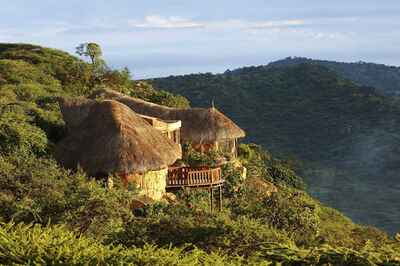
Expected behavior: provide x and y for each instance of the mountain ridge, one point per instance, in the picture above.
(385, 78)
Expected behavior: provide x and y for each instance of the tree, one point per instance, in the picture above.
(99, 67)
(91, 50)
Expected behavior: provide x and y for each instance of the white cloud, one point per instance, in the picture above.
(174, 22)
(277, 24)
(159, 22)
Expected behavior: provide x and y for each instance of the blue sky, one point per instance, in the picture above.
(159, 38)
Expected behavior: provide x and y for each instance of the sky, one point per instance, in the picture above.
(170, 37)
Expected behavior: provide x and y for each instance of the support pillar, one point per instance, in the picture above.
(211, 199)
(220, 198)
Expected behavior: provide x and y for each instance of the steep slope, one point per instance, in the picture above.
(385, 78)
(59, 73)
(347, 135)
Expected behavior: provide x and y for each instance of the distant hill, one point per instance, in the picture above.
(385, 79)
(347, 135)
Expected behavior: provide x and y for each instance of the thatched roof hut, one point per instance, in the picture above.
(199, 125)
(111, 138)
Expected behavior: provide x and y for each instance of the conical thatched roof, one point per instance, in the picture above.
(199, 125)
(114, 139)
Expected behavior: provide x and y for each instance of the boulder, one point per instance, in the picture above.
(261, 186)
(169, 198)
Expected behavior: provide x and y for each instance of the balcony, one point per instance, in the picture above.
(179, 177)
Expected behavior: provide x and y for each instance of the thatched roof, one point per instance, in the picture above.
(199, 125)
(114, 139)
(74, 110)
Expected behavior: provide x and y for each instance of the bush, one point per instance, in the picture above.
(17, 134)
(145, 91)
(56, 245)
(260, 163)
(31, 189)
(47, 116)
(169, 99)
(234, 182)
(199, 159)
(29, 91)
(283, 175)
(290, 211)
(180, 226)
(96, 211)
(37, 190)
(19, 72)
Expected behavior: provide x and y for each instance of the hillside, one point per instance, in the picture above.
(385, 78)
(346, 135)
(50, 215)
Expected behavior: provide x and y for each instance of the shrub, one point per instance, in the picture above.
(260, 163)
(29, 91)
(37, 190)
(199, 159)
(96, 211)
(47, 116)
(31, 189)
(180, 226)
(56, 245)
(145, 91)
(234, 181)
(169, 99)
(19, 72)
(16, 133)
(291, 211)
(283, 175)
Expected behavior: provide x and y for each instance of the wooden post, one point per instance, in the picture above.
(211, 198)
(235, 148)
(220, 198)
(125, 179)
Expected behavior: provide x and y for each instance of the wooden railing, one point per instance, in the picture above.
(186, 176)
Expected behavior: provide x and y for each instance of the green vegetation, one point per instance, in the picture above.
(50, 215)
(385, 78)
(342, 137)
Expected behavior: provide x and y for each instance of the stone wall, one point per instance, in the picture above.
(152, 184)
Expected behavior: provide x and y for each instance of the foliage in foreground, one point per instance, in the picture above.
(55, 245)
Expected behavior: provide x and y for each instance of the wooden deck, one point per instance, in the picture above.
(206, 178)
(180, 177)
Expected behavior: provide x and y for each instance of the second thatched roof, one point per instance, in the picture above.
(199, 125)
(111, 138)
